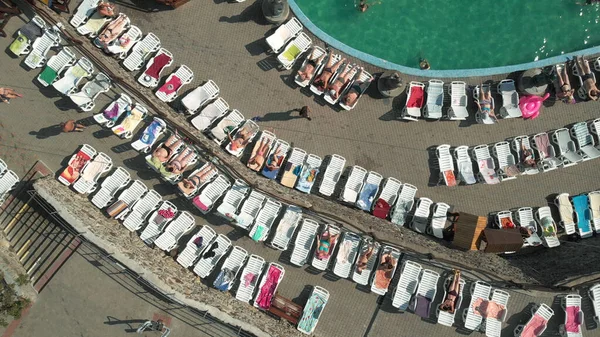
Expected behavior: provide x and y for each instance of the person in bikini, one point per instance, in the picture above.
(564, 92)
(190, 183)
(322, 81)
(178, 164)
(162, 153)
(363, 259)
(112, 31)
(340, 82)
(325, 242)
(241, 139)
(485, 103)
(452, 296)
(357, 88)
(6, 94)
(312, 63)
(527, 156)
(257, 161)
(276, 159)
(588, 78)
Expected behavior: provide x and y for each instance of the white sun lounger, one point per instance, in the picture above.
(192, 250)
(232, 200)
(234, 262)
(480, 117)
(141, 52)
(510, 99)
(286, 228)
(567, 151)
(93, 25)
(3, 167)
(88, 181)
(264, 280)
(479, 289)
(421, 216)
(228, 124)
(435, 100)
(427, 289)
(206, 200)
(283, 34)
(85, 150)
(585, 141)
(312, 312)
(131, 195)
(310, 168)
(594, 294)
(446, 164)
(565, 209)
(209, 114)
(366, 196)
(183, 224)
(389, 193)
(321, 264)
(267, 138)
(83, 12)
(353, 70)
(438, 220)
(458, 101)
(572, 300)
(353, 185)
(130, 123)
(594, 200)
(85, 99)
(249, 125)
(487, 168)
(595, 127)
(332, 175)
(294, 50)
(121, 46)
(8, 182)
(304, 242)
(363, 77)
(110, 186)
(336, 58)
(346, 255)
(547, 226)
(40, 47)
(405, 202)
(506, 160)
(363, 277)
(293, 167)
(134, 220)
(444, 317)
(206, 265)
(150, 135)
(396, 255)
(249, 278)
(464, 164)
(517, 142)
(149, 81)
(264, 220)
(22, 43)
(185, 75)
(413, 112)
(250, 209)
(543, 311)
(407, 285)
(73, 75)
(524, 217)
(493, 326)
(316, 53)
(547, 160)
(156, 223)
(108, 117)
(200, 96)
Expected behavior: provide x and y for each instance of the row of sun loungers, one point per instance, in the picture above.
(8, 181)
(579, 214)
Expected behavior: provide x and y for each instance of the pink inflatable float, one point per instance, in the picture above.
(530, 105)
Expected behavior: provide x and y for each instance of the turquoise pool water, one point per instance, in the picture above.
(459, 34)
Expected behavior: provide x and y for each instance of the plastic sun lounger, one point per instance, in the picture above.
(3, 167)
(155, 66)
(294, 50)
(565, 209)
(346, 254)
(493, 326)
(248, 124)
(170, 89)
(458, 101)
(293, 167)
(582, 214)
(396, 255)
(93, 25)
(113, 112)
(268, 138)
(569, 301)
(110, 186)
(121, 46)
(283, 34)
(207, 199)
(444, 317)
(421, 215)
(404, 204)
(353, 185)
(464, 165)
(206, 265)
(130, 123)
(283, 148)
(332, 175)
(313, 310)
(183, 224)
(233, 263)
(567, 150)
(22, 43)
(8, 182)
(414, 101)
(195, 246)
(200, 96)
(272, 288)
(286, 228)
(304, 242)
(157, 223)
(510, 99)
(547, 160)
(308, 175)
(585, 141)
(524, 217)
(426, 291)
(547, 227)
(368, 191)
(83, 12)
(517, 143)
(76, 164)
(479, 289)
(249, 278)
(407, 284)
(487, 168)
(435, 100)
(363, 277)
(210, 113)
(208, 178)
(595, 127)
(85, 99)
(387, 198)
(506, 161)
(88, 180)
(344, 89)
(232, 200)
(594, 294)
(134, 219)
(364, 77)
(73, 75)
(321, 264)
(250, 209)
(438, 220)
(481, 117)
(335, 59)
(594, 198)
(40, 47)
(131, 195)
(150, 135)
(316, 53)
(227, 125)
(141, 52)
(446, 164)
(264, 220)
(537, 324)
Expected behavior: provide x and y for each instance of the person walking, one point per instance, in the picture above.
(305, 112)
(6, 94)
(72, 126)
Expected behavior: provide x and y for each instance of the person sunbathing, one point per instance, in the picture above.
(162, 153)
(257, 161)
(357, 88)
(485, 103)
(564, 92)
(326, 241)
(190, 183)
(6, 94)
(241, 139)
(341, 81)
(312, 63)
(322, 81)
(527, 156)
(275, 161)
(452, 296)
(113, 30)
(588, 78)
(178, 164)
(383, 274)
(363, 259)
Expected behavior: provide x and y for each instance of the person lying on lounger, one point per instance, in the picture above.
(485, 103)
(190, 183)
(527, 156)
(178, 164)
(113, 30)
(341, 81)
(564, 92)
(322, 81)
(312, 63)
(452, 296)
(363, 259)
(242, 138)
(588, 78)
(274, 163)
(259, 158)
(166, 149)
(383, 274)
(357, 88)
(325, 242)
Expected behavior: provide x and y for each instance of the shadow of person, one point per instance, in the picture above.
(252, 12)
(280, 116)
(47, 132)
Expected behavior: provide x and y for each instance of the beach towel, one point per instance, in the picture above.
(18, 45)
(382, 209)
(583, 215)
(258, 233)
(290, 174)
(116, 208)
(151, 132)
(31, 31)
(198, 203)
(130, 122)
(307, 178)
(382, 278)
(268, 289)
(365, 200)
(223, 280)
(535, 327)
(48, 75)
(292, 52)
(450, 178)
(95, 22)
(488, 309)
(193, 100)
(344, 252)
(548, 227)
(423, 306)
(159, 63)
(466, 171)
(312, 312)
(171, 86)
(488, 174)
(572, 324)
(416, 98)
(120, 44)
(93, 170)
(249, 279)
(71, 173)
(542, 143)
(400, 212)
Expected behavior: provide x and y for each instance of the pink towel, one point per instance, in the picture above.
(488, 309)
(159, 63)
(268, 289)
(171, 86)
(573, 322)
(199, 203)
(535, 327)
(416, 98)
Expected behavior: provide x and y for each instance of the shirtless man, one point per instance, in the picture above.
(357, 88)
(322, 81)
(588, 78)
(363, 259)
(312, 63)
(341, 81)
(242, 138)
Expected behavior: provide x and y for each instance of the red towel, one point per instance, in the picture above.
(171, 86)
(199, 203)
(159, 63)
(382, 209)
(573, 322)
(416, 98)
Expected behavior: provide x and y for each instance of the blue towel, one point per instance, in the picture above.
(224, 279)
(365, 200)
(151, 133)
(583, 214)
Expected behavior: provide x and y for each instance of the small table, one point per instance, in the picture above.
(533, 82)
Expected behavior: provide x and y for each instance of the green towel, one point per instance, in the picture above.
(19, 44)
(291, 53)
(258, 233)
(48, 75)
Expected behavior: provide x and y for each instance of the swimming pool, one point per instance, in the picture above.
(455, 35)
